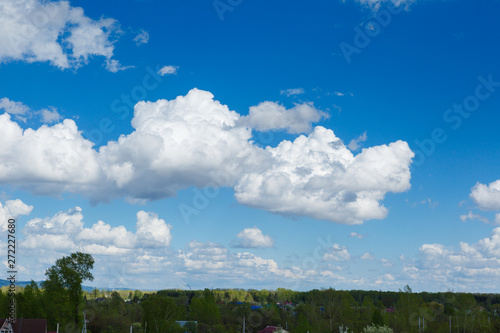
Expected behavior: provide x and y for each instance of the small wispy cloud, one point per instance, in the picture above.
(356, 235)
(386, 262)
(114, 66)
(16, 108)
(375, 5)
(50, 115)
(291, 92)
(367, 256)
(337, 253)
(339, 94)
(354, 144)
(473, 216)
(141, 38)
(425, 202)
(23, 112)
(168, 70)
(338, 108)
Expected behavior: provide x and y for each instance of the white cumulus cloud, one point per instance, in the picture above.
(195, 141)
(318, 176)
(189, 141)
(66, 232)
(152, 231)
(52, 31)
(68, 160)
(487, 197)
(12, 209)
(367, 256)
(253, 238)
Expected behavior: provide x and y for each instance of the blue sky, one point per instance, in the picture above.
(228, 143)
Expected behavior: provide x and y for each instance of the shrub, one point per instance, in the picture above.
(377, 329)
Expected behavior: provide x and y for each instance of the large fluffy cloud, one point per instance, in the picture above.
(65, 232)
(47, 160)
(318, 176)
(190, 141)
(53, 31)
(195, 140)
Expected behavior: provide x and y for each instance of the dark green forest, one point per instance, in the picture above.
(223, 310)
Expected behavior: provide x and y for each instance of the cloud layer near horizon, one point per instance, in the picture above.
(143, 258)
(194, 140)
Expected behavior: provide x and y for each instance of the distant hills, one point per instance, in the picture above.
(4, 283)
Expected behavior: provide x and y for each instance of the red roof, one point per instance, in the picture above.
(29, 325)
(269, 329)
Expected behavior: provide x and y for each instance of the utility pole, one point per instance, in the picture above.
(85, 321)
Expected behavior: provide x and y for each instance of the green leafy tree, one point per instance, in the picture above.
(331, 305)
(161, 312)
(377, 318)
(31, 306)
(205, 309)
(303, 324)
(67, 276)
